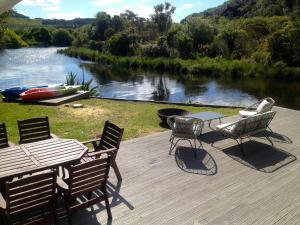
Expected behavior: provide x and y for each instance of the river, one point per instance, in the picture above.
(39, 66)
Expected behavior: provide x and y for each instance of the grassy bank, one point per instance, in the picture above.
(138, 119)
(215, 67)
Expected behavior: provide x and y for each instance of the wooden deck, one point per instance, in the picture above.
(218, 187)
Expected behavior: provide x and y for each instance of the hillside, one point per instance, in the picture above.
(251, 8)
(19, 21)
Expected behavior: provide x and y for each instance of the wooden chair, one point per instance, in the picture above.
(109, 140)
(35, 129)
(3, 136)
(87, 181)
(26, 195)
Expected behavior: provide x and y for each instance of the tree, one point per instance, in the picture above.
(284, 45)
(201, 32)
(61, 38)
(163, 16)
(185, 45)
(2, 29)
(42, 35)
(102, 22)
(122, 44)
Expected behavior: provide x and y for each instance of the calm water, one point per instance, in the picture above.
(38, 66)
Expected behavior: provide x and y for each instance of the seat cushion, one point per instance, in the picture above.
(184, 125)
(263, 106)
(245, 114)
(228, 127)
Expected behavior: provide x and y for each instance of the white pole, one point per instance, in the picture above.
(7, 5)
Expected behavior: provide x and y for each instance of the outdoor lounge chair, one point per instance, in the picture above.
(3, 136)
(27, 195)
(35, 129)
(262, 106)
(87, 182)
(185, 128)
(110, 139)
(247, 127)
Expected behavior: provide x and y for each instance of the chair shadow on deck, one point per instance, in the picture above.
(276, 137)
(260, 156)
(203, 163)
(89, 215)
(211, 136)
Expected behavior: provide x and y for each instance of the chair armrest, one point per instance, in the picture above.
(91, 141)
(100, 152)
(61, 185)
(2, 202)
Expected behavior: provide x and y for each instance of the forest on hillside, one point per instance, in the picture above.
(259, 32)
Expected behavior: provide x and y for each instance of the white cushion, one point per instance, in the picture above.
(184, 125)
(247, 113)
(262, 106)
(227, 125)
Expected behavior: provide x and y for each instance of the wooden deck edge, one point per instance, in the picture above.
(52, 101)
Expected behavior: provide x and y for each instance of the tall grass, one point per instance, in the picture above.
(214, 67)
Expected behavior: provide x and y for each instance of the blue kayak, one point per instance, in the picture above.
(16, 91)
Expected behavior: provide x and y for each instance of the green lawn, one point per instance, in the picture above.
(138, 119)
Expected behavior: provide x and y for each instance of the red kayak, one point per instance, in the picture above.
(45, 93)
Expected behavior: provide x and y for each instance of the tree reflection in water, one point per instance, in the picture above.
(161, 93)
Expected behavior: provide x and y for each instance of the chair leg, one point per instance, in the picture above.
(173, 145)
(107, 205)
(240, 144)
(68, 213)
(270, 129)
(195, 148)
(117, 171)
(266, 135)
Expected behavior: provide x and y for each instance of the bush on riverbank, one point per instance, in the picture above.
(215, 67)
(12, 40)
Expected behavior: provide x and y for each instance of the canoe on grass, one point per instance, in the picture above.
(46, 93)
(16, 91)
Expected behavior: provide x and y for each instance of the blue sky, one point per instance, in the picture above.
(69, 9)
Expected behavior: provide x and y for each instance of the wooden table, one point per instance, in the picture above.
(38, 156)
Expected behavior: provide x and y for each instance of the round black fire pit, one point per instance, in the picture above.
(165, 113)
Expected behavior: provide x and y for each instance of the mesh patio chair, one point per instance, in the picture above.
(185, 128)
(28, 195)
(85, 186)
(262, 106)
(246, 128)
(110, 139)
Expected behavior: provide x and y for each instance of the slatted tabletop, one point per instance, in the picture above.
(37, 156)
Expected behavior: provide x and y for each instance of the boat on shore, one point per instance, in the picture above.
(15, 92)
(46, 93)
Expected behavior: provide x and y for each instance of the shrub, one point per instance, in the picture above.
(12, 40)
(61, 38)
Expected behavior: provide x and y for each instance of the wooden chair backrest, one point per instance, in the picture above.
(34, 192)
(111, 136)
(88, 177)
(3, 136)
(35, 129)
